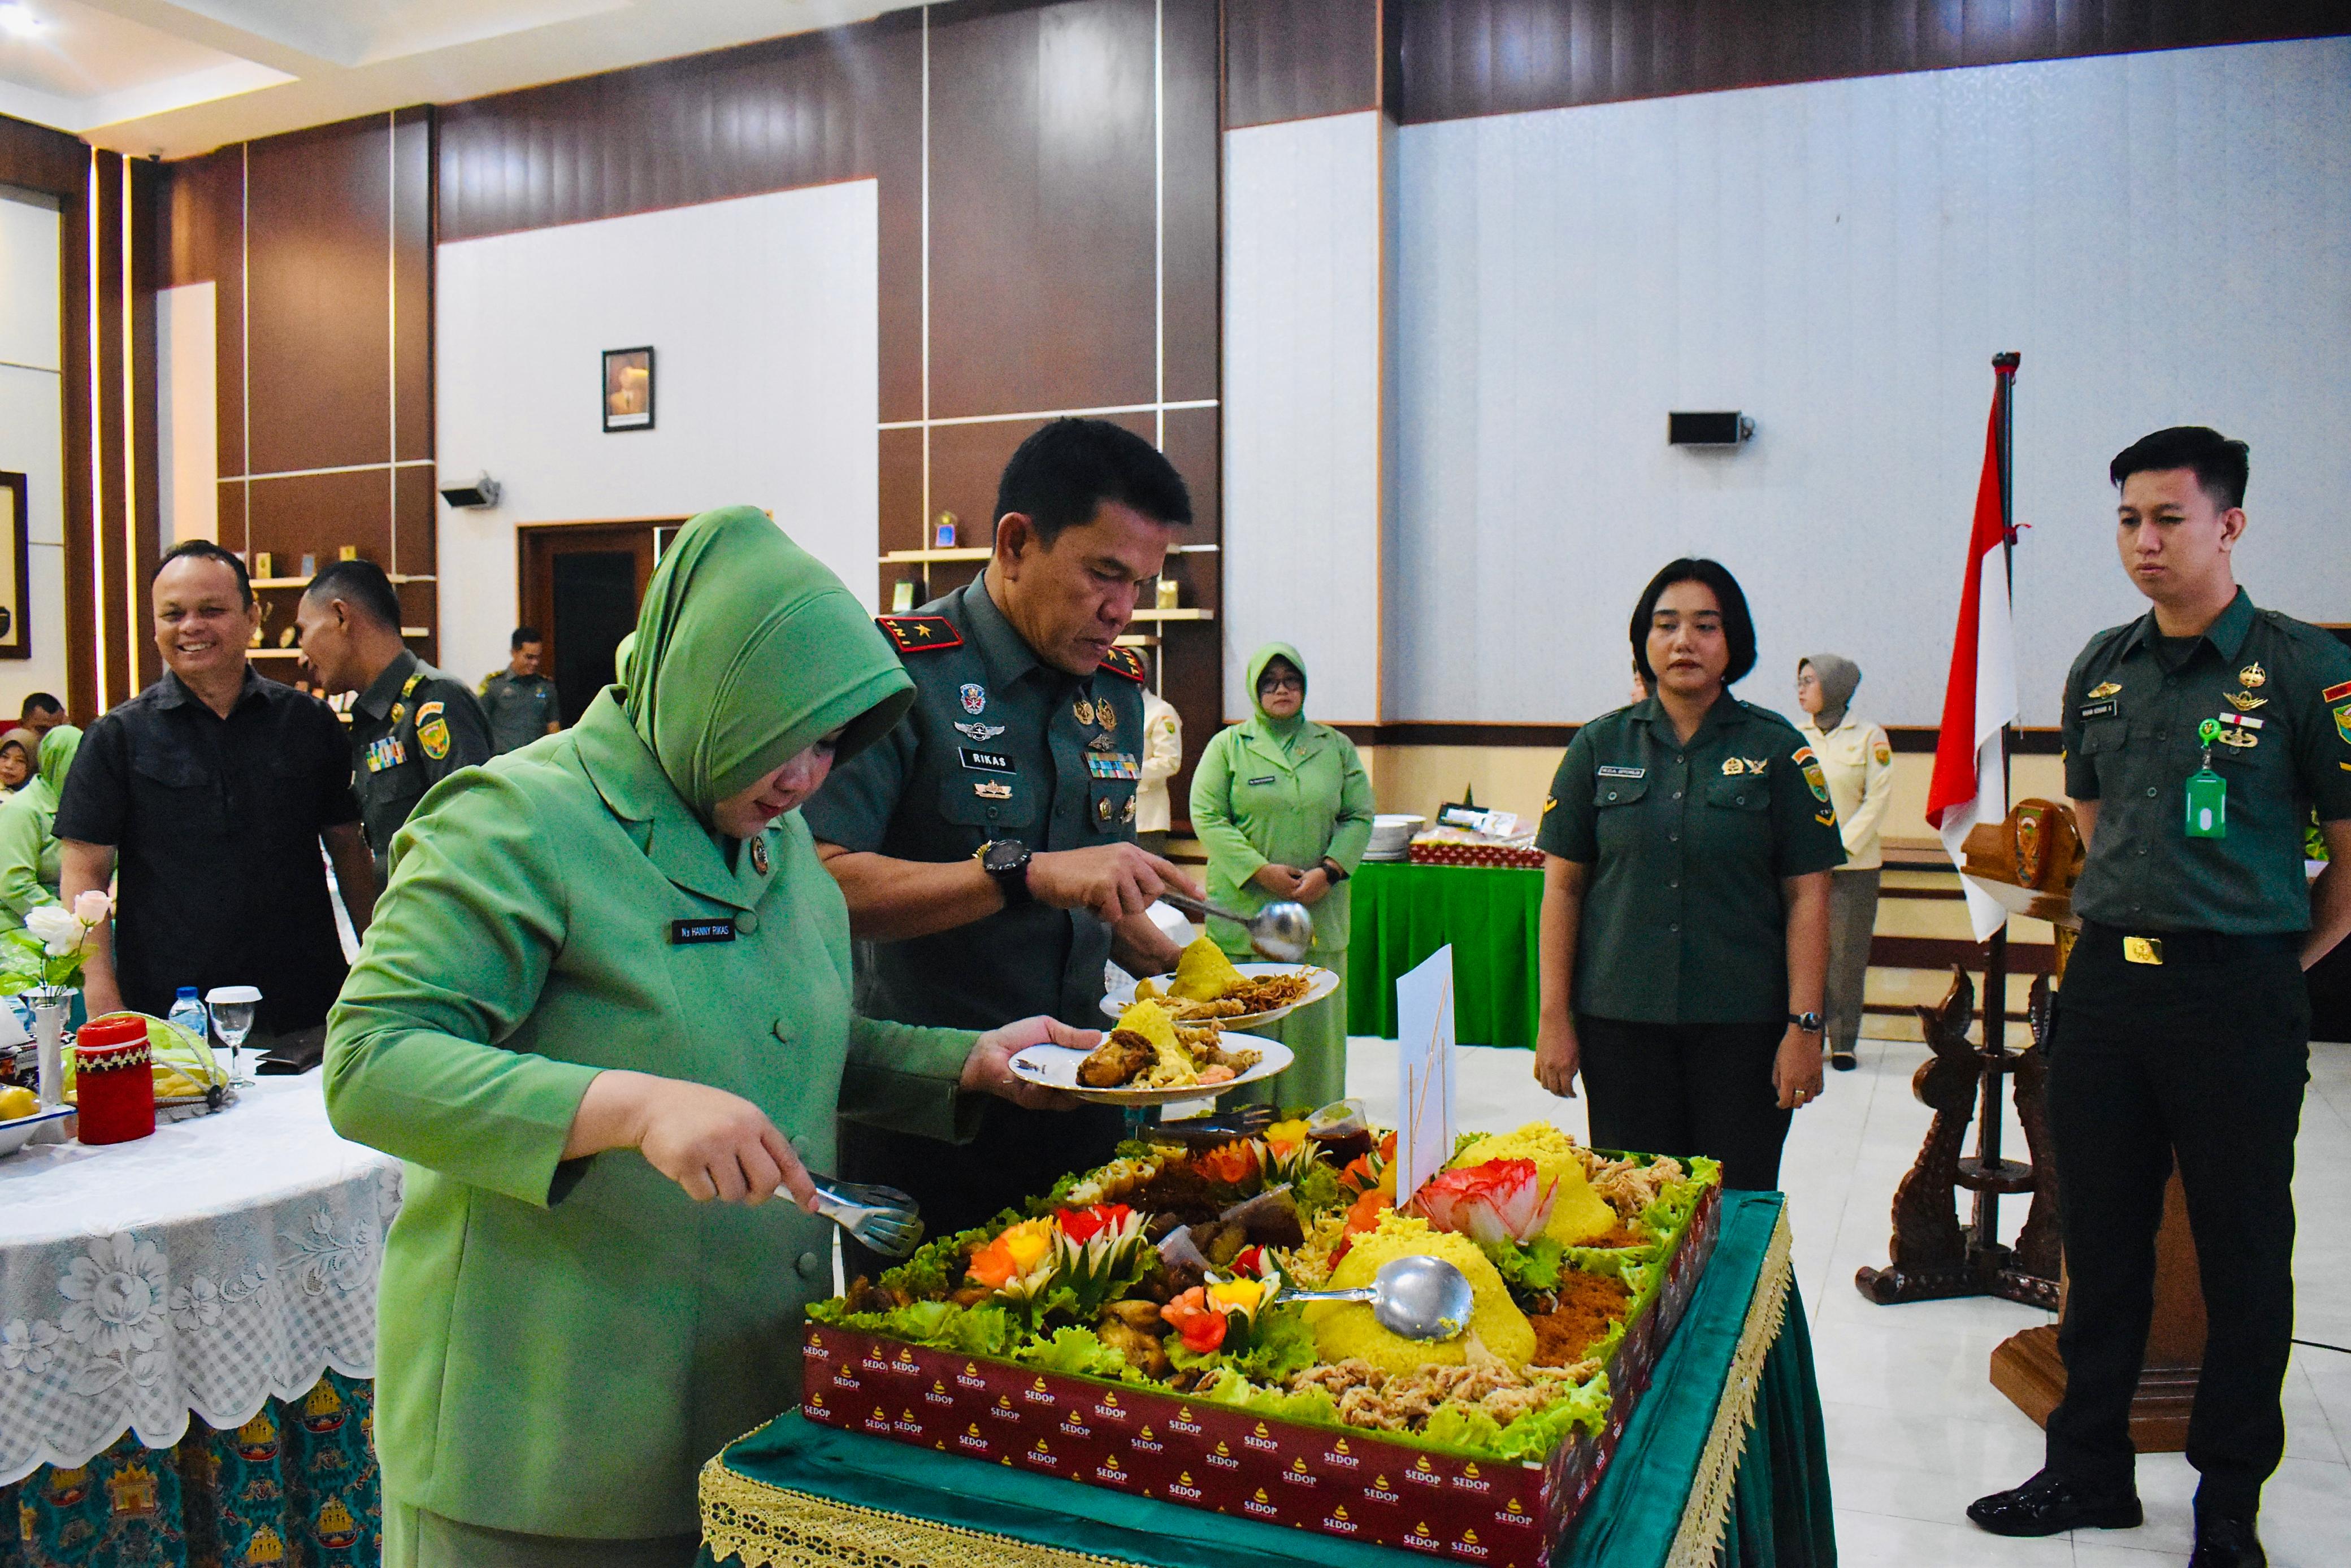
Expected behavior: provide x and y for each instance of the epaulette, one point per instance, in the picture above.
(1125, 662)
(919, 634)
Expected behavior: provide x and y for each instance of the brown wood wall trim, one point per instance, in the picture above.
(149, 258)
(1300, 59)
(1452, 59)
(110, 450)
(2029, 742)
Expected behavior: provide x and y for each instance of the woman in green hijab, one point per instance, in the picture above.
(1284, 808)
(608, 983)
(28, 841)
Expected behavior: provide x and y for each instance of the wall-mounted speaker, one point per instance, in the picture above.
(482, 492)
(1708, 429)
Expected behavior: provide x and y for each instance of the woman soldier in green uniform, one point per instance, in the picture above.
(609, 981)
(1284, 809)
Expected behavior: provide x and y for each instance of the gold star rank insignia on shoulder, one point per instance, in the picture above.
(1127, 662)
(919, 634)
(2252, 675)
(2102, 689)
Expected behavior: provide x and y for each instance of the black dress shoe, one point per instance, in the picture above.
(2225, 1543)
(2048, 1504)
(1842, 1061)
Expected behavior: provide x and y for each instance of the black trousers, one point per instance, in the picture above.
(2203, 1058)
(1017, 1154)
(1684, 1089)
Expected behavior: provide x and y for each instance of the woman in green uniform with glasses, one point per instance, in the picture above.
(1284, 807)
(607, 984)
(28, 838)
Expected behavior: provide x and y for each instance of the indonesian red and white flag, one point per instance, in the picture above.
(1970, 785)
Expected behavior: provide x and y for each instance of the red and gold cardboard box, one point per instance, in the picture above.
(1357, 1484)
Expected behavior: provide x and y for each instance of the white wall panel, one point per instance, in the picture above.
(1303, 214)
(28, 282)
(32, 434)
(2166, 237)
(763, 317)
(187, 413)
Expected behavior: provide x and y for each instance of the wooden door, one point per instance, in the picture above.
(581, 586)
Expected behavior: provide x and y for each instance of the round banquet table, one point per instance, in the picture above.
(223, 1271)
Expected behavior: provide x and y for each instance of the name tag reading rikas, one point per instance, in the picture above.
(689, 933)
(986, 762)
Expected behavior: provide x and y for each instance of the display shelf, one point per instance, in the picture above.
(396, 578)
(1178, 614)
(915, 557)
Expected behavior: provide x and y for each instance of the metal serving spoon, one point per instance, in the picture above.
(1282, 932)
(882, 1218)
(1416, 1297)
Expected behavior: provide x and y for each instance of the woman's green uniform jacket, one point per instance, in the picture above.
(28, 839)
(1289, 791)
(562, 1345)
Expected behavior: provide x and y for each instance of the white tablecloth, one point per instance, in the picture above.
(227, 1261)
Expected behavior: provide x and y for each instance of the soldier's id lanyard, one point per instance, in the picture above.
(2207, 792)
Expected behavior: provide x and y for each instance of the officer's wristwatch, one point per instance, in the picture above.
(1809, 1022)
(1007, 859)
(1334, 870)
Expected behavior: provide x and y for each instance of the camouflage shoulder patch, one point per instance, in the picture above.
(919, 634)
(1125, 662)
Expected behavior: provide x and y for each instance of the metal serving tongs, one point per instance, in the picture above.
(882, 1218)
(1282, 932)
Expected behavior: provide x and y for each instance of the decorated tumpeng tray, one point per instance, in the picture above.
(1129, 1332)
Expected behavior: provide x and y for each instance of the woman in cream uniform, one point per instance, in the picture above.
(1859, 762)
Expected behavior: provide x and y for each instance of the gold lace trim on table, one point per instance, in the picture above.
(1708, 1513)
(774, 1527)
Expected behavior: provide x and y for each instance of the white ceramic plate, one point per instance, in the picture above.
(13, 1134)
(1056, 1067)
(1322, 982)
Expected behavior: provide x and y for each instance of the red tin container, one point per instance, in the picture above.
(1355, 1484)
(114, 1080)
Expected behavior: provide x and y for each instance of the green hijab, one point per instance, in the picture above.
(749, 651)
(58, 748)
(1282, 732)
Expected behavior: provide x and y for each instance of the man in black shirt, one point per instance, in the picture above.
(213, 789)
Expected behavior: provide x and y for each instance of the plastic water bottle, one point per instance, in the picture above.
(189, 1014)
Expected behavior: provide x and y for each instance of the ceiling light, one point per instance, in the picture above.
(20, 20)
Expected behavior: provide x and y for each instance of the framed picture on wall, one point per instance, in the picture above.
(15, 566)
(627, 388)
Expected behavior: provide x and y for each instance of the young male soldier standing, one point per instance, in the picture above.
(2197, 740)
(986, 846)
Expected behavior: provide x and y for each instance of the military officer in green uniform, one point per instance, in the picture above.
(412, 725)
(986, 846)
(603, 1014)
(2198, 740)
(520, 700)
(1688, 840)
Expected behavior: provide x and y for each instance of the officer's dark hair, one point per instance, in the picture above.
(1059, 475)
(40, 702)
(362, 585)
(1738, 626)
(523, 636)
(2221, 464)
(204, 549)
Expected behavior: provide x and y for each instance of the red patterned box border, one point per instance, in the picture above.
(1353, 1484)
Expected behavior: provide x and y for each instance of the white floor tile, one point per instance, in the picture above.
(1915, 1428)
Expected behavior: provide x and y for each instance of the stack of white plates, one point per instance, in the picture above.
(1392, 836)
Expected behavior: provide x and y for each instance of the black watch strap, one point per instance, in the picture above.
(1334, 870)
(1007, 859)
(1809, 1022)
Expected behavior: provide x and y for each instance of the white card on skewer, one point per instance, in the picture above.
(1424, 1068)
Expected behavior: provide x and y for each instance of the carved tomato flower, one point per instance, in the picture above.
(1201, 1326)
(1495, 1202)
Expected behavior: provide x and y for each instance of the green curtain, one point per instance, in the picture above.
(1491, 915)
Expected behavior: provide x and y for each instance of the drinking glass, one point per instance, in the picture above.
(232, 1014)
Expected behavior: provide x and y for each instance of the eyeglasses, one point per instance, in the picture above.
(1282, 684)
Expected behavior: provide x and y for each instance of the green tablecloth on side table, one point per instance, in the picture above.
(1403, 913)
(1723, 1461)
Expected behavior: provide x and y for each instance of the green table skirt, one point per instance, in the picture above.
(1491, 915)
(1723, 1461)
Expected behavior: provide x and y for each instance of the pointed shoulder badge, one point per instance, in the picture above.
(1125, 662)
(919, 634)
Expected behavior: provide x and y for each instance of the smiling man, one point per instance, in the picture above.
(2199, 738)
(986, 847)
(213, 790)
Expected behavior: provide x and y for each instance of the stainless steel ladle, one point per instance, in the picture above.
(1416, 1297)
(1281, 932)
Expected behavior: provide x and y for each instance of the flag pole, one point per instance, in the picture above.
(1987, 1163)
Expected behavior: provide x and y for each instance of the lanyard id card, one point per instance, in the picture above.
(2207, 792)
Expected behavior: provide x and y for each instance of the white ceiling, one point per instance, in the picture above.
(173, 78)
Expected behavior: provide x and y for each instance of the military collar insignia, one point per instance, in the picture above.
(1105, 716)
(1082, 710)
(759, 854)
(974, 697)
(919, 634)
(2102, 689)
(1127, 662)
(982, 732)
(2252, 675)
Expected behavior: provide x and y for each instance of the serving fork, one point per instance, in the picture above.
(882, 1218)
